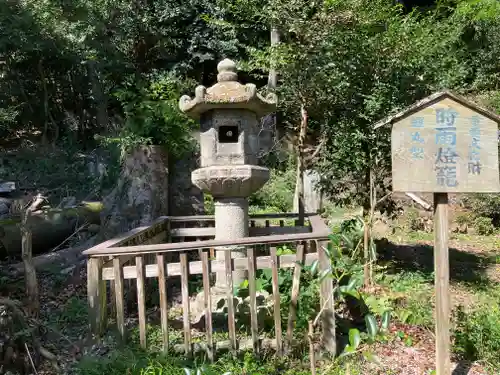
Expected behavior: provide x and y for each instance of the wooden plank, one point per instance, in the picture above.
(230, 304)
(252, 288)
(295, 294)
(442, 282)
(185, 302)
(112, 292)
(208, 305)
(141, 299)
(130, 235)
(196, 267)
(326, 299)
(279, 215)
(253, 231)
(96, 294)
(160, 238)
(277, 301)
(119, 298)
(187, 246)
(162, 288)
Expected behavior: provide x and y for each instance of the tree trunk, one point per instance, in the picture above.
(301, 164)
(141, 194)
(29, 268)
(98, 94)
(272, 81)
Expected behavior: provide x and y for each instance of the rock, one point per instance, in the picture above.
(4, 208)
(184, 198)
(7, 186)
(241, 307)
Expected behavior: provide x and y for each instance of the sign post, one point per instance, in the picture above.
(444, 144)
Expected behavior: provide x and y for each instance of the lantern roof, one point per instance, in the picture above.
(227, 93)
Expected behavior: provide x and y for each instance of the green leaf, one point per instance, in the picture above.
(373, 250)
(347, 351)
(354, 338)
(408, 341)
(244, 284)
(386, 318)
(351, 292)
(267, 273)
(370, 357)
(314, 267)
(324, 274)
(371, 325)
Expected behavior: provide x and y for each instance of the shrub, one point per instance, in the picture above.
(413, 221)
(477, 335)
(485, 205)
(277, 193)
(464, 218)
(484, 226)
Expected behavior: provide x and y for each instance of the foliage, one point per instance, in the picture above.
(351, 63)
(408, 297)
(346, 271)
(66, 61)
(484, 205)
(277, 193)
(464, 218)
(137, 362)
(484, 226)
(62, 171)
(477, 334)
(151, 112)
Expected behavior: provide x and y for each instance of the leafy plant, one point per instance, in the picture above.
(484, 226)
(203, 371)
(477, 334)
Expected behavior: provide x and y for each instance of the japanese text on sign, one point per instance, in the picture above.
(474, 165)
(446, 140)
(417, 149)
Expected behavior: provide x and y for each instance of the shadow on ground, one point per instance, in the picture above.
(464, 266)
(462, 368)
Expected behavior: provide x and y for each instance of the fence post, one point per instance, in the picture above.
(96, 292)
(327, 301)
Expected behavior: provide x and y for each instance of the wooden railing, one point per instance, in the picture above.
(152, 252)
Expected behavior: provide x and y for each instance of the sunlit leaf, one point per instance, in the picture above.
(354, 338)
(371, 325)
(386, 317)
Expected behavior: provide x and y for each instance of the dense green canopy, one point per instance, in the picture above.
(77, 68)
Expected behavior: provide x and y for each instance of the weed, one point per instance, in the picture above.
(477, 334)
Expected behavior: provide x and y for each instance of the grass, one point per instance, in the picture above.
(132, 361)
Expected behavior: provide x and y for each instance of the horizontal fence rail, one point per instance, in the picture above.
(132, 261)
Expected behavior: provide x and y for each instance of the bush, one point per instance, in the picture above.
(465, 218)
(277, 193)
(413, 221)
(485, 205)
(484, 226)
(477, 335)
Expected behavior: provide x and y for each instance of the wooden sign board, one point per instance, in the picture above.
(445, 144)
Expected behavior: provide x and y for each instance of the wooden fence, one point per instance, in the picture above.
(184, 246)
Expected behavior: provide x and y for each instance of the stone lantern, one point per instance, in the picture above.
(229, 114)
